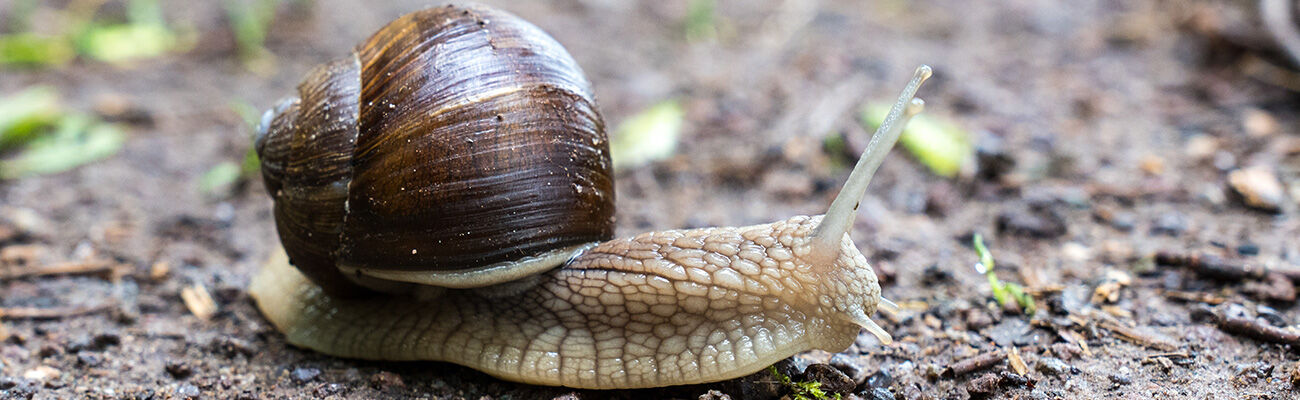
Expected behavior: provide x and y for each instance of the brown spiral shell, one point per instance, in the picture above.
(453, 138)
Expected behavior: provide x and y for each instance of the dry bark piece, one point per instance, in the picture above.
(1257, 329)
(1211, 265)
(1136, 336)
(199, 301)
(110, 269)
(1017, 364)
(976, 363)
(50, 313)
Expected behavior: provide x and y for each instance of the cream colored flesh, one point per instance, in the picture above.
(658, 309)
(473, 278)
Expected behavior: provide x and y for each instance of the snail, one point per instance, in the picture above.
(445, 193)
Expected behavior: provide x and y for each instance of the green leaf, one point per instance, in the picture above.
(218, 181)
(940, 145)
(126, 42)
(77, 140)
(699, 22)
(35, 50)
(25, 114)
(649, 136)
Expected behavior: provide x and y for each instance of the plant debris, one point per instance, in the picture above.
(1002, 292)
(942, 146)
(198, 301)
(973, 364)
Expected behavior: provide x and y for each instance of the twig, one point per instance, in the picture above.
(1219, 267)
(65, 268)
(973, 364)
(1258, 330)
(1201, 297)
(1135, 336)
(51, 313)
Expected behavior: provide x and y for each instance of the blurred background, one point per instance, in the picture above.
(1080, 140)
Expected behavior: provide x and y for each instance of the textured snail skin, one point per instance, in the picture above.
(662, 308)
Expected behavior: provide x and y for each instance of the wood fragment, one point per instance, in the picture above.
(976, 363)
(1258, 329)
(108, 268)
(1075, 338)
(199, 301)
(1152, 357)
(1017, 364)
(1201, 297)
(1213, 266)
(1136, 336)
(50, 313)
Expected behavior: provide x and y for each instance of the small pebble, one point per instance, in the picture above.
(881, 394)
(1066, 351)
(934, 274)
(187, 391)
(1120, 379)
(179, 369)
(849, 366)
(714, 395)
(1053, 366)
(880, 379)
(1041, 223)
(832, 380)
(328, 389)
(1258, 187)
(977, 319)
(89, 359)
(302, 375)
(984, 385)
(1170, 223)
(42, 373)
(1295, 375)
(384, 380)
(231, 346)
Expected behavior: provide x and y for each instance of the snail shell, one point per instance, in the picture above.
(460, 148)
(449, 145)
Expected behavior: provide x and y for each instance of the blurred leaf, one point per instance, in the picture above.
(648, 136)
(251, 165)
(77, 140)
(250, 20)
(219, 180)
(34, 50)
(246, 112)
(940, 145)
(24, 114)
(126, 42)
(699, 23)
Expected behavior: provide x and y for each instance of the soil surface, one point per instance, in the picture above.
(1107, 133)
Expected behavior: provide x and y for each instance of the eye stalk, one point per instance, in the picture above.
(839, 218)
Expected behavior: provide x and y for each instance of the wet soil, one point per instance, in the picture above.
(1108, 131)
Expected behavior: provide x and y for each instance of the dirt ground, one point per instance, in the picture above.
(1107, 130)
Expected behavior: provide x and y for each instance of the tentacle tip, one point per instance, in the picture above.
(924, 72)
(865, 322)
(878, 332)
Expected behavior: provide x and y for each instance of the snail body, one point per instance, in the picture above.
(539, 292)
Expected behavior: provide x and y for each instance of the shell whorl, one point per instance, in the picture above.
(453, 138)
